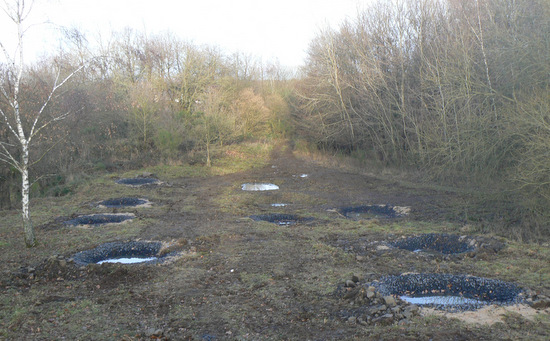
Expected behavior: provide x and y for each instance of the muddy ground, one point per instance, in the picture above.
(240, 279)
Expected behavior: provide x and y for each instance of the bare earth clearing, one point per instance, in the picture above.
(240, 279)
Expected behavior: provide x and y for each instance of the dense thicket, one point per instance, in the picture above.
(459, 88)
(142, 99)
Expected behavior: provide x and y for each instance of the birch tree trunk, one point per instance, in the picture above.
(23, 126)
(30, 239)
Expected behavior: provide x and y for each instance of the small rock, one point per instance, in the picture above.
(352, 319)
(385, 320)
(382, 247)
(355, 279)
(350, 284)
(154, 332)
(370, 294)
(350, 294)
(390, 301)
(410, 311)
(63, 263)
(359, 258)
(371, 289)
(541, 304)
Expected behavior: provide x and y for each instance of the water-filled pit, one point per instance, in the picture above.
(138, 181)
(450, 292)
(259, 187)
(280, 219)
(124, 202)
(131, 260)
(436, 242)
(99, 219)
(374, 211)
(122, 252)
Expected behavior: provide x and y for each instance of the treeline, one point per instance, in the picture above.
(141, 100)
(457, 88)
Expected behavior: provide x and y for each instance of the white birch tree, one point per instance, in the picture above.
(23, 126)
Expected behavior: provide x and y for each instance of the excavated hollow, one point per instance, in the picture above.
(123, 202)
(134, 252)
(371, 211)
(99, 219)
(442, 243)
(137, 181)
(280, 219)
(456, 292)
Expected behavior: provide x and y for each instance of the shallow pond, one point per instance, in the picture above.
(132, 260)
(441, 300)
(259, 187)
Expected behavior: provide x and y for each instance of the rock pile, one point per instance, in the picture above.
(371, 307)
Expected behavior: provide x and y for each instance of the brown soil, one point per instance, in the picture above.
(239, 279)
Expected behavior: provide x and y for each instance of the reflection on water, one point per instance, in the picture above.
(278, 205)
(441, 300)
(132, 260)
(259, 187)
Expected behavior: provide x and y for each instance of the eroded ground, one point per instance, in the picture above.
(240, 279)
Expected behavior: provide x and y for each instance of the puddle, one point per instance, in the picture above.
(450, 292)
(124, 202)
(133, 252)
(436, 242)
(99, 219)
(279, 205)
(132, 260)
(441, 300)
(374, 211)
(138, 181)
(259, 187)
(280, 219)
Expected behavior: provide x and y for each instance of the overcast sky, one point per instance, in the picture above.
(269, 29)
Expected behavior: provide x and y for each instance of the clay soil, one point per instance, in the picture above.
(240, 279)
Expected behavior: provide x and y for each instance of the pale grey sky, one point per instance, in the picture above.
(273, 29)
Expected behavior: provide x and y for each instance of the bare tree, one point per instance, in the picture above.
(23, 126)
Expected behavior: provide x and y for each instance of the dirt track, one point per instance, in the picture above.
(240, 279)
